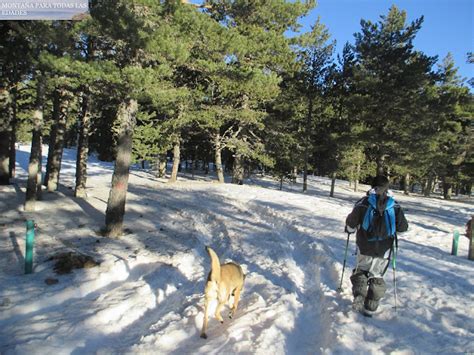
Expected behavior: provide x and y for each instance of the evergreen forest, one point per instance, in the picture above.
(231, 88)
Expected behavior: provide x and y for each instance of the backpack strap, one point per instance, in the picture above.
(390, 216)
(369, 214)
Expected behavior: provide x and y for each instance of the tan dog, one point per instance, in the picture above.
(222, 282)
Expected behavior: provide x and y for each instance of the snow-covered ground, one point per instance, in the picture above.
(146, 297)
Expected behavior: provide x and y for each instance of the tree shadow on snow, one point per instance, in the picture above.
(450, 273)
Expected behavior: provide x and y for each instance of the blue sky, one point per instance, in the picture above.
(448, 24)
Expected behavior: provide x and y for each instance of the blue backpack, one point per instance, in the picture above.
(379, 226)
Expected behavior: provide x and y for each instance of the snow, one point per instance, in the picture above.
(146, 297)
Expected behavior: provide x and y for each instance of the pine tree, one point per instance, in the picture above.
(314, 57)
(204, 73)
(61, 82)
(340, 153)
(57, 142)
(4, 136)
(33, 188)
(84, 124)
(16, 46)
(126, 117)
(258, 53)
(390, 74)
(37, 36)
(140, 42)
(85, 89)
(452, 123)
(118, 27)
(281, 141)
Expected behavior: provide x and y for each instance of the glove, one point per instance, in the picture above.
(349, 229)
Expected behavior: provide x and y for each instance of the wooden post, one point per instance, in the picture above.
(471, 241)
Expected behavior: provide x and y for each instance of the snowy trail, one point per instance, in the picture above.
(270, 264)
(431, 285)
(147, 294)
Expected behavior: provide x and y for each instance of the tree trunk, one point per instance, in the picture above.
(13, 125)
(305, 176)
(5, 120)
(406, 184)
(160, 165)
(357, 176)
(52, 134)
(447, 190)
(247, 171)
(193, 164)
(435, 183)
(468, 189)
(176, 161)
(470, 254)
(39, 174)
(238, 170)
(84, 123)
(281, 182)
(429, 186)
(4, 156)
(333, 184)
(33, 186)
(309, 119)
(218, 158)
(380, 165)
(82, 147)
(294, 175)
(57, 146)
(116, 204)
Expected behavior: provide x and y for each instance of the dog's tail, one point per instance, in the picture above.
(215, 274)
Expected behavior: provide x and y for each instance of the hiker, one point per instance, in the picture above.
(375, 240)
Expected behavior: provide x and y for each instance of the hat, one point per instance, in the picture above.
(380, 183)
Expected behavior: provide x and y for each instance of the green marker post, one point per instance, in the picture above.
(454, 248)
(30, 238)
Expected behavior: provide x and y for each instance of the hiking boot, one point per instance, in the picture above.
(358, 303)
(376, 291)
(366, 312)
(359, 281)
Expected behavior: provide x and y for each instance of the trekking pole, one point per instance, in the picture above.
(344, 264)
(394, 266)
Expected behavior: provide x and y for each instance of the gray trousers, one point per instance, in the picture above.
(374, 267)
(367, 279)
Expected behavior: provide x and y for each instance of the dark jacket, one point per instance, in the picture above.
(356, 217)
